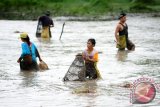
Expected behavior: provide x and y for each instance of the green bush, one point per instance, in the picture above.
(28, 9)
(139, 7)
(149, 2)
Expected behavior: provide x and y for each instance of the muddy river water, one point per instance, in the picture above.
(46, 89)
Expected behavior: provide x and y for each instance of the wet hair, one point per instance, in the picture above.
(47, 13)
(122, 15)
(27, 40)
(93, 41)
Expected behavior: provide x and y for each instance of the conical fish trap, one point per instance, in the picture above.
(76, 71)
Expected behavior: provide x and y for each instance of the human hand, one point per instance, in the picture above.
(87, 58)
(18, 60)
(40, 59)
(118, 43)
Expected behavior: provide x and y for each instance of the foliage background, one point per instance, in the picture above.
(31, 9)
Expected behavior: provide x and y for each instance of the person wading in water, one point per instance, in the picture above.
(90, 56)
(121, 34)
(27, 59)
(46, 22)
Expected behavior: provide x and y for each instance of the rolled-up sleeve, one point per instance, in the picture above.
(95, 57)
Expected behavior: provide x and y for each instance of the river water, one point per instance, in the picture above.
(46, 88)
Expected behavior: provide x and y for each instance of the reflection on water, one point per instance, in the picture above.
(86, 92)
(28, 78)
(44, 40)
(88, 87)
(122, 55)
(46, 89)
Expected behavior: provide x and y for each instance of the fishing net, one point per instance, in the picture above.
(76, 71)
(39, 29)
(130, 45)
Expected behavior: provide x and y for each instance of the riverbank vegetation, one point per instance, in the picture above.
(31, 9)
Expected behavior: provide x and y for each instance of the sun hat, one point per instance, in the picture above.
(23, 35)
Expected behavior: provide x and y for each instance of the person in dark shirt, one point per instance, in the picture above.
(46, 22)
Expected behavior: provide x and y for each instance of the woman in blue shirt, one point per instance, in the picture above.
(27, 59)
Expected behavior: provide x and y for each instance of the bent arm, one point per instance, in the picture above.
(25, 51)
(83, 55)
(38, 55)
(117, 33)
(51, 24)
(36, 52)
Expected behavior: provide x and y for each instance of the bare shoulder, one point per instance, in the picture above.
(118, 27)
